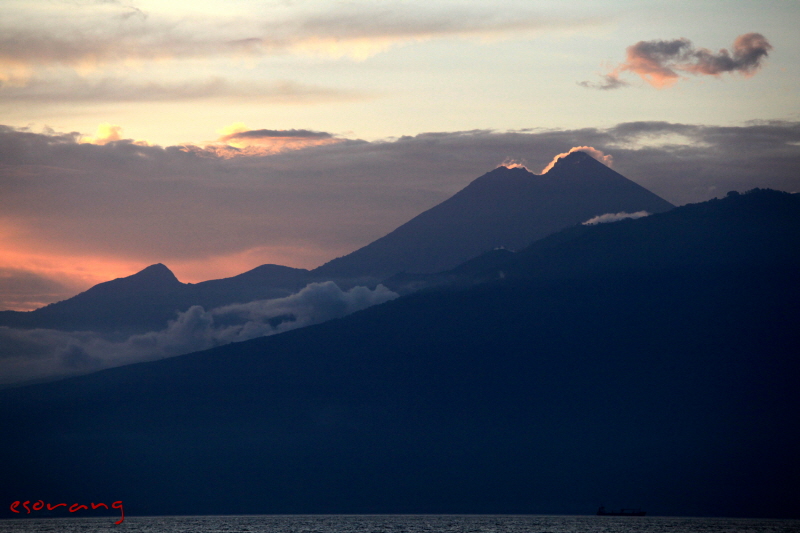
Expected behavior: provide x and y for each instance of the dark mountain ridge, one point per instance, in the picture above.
(507, 207)
(671, 384)
(145, 301)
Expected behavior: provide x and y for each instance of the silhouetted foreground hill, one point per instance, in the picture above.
(665, 384)
(507, 207)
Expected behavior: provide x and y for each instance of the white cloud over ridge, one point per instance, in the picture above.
(46, 354)
(614, 217)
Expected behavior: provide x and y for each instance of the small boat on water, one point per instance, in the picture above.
(622, 512)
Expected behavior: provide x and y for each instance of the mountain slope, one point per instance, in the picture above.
(717, 232)
(507, 207)
(146, 300)
(666, 385)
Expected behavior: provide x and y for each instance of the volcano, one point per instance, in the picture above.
(505, 208)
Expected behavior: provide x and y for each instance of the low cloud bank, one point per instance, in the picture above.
(614, 217)
(27, 355)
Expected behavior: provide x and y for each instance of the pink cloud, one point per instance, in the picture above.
(660, 63)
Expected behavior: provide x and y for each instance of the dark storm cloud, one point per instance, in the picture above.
(659, 62)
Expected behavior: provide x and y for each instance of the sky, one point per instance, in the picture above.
(215, 136)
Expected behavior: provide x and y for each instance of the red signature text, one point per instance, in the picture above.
(39, 505)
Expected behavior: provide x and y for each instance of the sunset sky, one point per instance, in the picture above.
(215, 136)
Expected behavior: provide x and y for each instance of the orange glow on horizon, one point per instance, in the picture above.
(74, 274)
(80, 272)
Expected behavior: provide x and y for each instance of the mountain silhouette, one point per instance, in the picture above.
(153, 277)
(508, 208)
(701, 235)
(666, 381)
(145, 301)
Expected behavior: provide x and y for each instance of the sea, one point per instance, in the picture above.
(398, 524)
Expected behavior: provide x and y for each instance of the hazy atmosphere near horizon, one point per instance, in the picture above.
(368, 257)
(214, 137)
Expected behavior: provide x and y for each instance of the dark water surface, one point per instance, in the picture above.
(399, 524)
